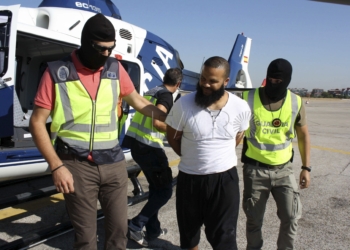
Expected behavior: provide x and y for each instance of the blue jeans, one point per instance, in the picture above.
(155, 166)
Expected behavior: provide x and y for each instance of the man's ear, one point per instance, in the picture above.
(226, 81)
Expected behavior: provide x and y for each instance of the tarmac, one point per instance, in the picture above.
(325, 222)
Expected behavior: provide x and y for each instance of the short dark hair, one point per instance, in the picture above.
(172, 76)
(218, 62)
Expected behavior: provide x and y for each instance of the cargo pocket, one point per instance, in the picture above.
(296, 207)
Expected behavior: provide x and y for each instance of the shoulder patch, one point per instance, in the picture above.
(111, 75)
(63, 73)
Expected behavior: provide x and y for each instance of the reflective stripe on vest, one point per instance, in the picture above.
(266, 143)
(141, 127)
(81, 122)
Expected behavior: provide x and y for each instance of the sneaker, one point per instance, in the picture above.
(163, 231)
(138, 237)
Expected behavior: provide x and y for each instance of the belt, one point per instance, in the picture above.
(264, 165)
(71, 156)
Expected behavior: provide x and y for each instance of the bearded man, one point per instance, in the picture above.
(204, 128)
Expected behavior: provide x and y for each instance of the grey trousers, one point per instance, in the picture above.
(258, 183)
(107, 183)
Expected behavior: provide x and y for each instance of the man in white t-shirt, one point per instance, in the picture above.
(204, 128)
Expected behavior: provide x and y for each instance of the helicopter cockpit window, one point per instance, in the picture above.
(4, 40)
(241, 79)
(134, 73)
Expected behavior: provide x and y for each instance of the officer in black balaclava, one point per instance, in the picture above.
(97, 29)
(279, 74)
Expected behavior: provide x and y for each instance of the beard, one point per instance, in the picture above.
(205, 101)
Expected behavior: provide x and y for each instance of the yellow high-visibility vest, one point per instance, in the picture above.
(141, 127)
(267, 143)
(84, 124)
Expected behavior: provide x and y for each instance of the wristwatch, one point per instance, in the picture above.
(306, 168)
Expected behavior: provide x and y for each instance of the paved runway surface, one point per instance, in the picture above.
(325, 223)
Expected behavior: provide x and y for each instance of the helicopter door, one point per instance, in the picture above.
(8, 33)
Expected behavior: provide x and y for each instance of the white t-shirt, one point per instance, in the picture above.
(208, 143)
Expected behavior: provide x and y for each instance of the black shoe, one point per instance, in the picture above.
(138, 237)
(163, 231)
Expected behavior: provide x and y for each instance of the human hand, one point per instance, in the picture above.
(304, 180)
(178, 137)
(63, 180)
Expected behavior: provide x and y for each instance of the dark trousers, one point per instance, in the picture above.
(155, 166)
(107, 183)
(212, 200)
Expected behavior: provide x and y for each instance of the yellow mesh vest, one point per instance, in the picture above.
(141, 127)
(267, 143)
(82, 123)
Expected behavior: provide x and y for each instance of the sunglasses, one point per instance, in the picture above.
(101, 49)
(273, 80)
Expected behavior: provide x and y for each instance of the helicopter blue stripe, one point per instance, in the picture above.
(236, 58)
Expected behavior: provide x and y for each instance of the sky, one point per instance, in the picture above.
(313, 36)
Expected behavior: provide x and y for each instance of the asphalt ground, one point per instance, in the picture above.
(325, 223)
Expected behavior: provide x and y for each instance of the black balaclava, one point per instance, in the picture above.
(278, 69)
(97, 28)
